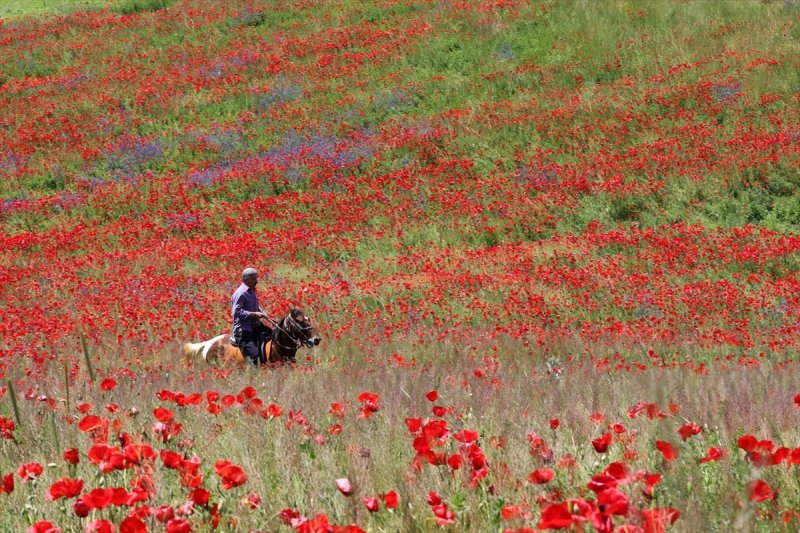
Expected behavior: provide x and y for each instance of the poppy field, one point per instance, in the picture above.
(551, 249)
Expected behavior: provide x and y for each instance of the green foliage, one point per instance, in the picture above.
(129, 7)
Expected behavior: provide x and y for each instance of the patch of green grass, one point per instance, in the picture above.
(13, 9)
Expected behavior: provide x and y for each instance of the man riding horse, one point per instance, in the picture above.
(248, 330)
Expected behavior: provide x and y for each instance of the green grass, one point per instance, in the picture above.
(13, 9)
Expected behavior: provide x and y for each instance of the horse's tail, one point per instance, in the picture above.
(191, 352)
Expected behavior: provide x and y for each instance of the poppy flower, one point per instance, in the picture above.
(163, 414)
(466, 436)
(89, 423)
(100, 526)
(554, 423)
(132, 524)
(541, 476)
(390, 499)
(29, 471)
(232, 475)
(555, 516)
(797, 400)
(7, 486)
(659, 519)
(344, 486)
(65, 488)
(43, 526)
(371, 503)
(432, 396)
(602, 443)
(667, 449)
(760, 491)
(688, 430)
(713, 454)
(108, 384)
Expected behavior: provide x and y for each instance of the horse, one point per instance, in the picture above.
(288, 335)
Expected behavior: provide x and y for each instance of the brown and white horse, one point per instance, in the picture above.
(288, 335)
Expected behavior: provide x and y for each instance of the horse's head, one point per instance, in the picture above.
(299, 326)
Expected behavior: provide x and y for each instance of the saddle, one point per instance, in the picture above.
(263, 345)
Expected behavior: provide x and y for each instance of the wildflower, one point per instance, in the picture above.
(541, 476)
(65, 488)
(344, 486)
(232, 475)
(667, 449)
(602, 443)
(713, 454)
(29, 471)
(760, 491)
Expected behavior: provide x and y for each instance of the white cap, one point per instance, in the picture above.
(249, 272)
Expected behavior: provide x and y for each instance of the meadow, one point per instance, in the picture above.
(551, 249)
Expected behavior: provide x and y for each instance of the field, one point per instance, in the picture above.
(551, 248)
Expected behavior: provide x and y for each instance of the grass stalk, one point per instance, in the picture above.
(86, 356)
(14, 406)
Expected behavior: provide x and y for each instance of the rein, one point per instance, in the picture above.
(283, 324)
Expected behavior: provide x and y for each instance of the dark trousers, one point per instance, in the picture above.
(250, 344)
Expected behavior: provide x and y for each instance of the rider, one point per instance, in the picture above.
(248, 331)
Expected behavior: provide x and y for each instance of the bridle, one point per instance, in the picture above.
(290, 323)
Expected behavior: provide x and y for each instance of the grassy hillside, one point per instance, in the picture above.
(488, 199)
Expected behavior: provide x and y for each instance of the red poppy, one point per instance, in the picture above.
(7, 486)
(371, 503)
(100, 526)
(178, 525)
(554, 423)
(455, 461)
(164, 513)
(667, 449)
(43, 526)
(444, 516)
(434, 498)
(688, 430)
(132, 524)
(108, 384)
(432, 396)
(7, 428)
(439, 410)
(248, 393)
(273, 411)
(797, 400)
(713, 454)
(414, 425)
(466, 436)
(760, 491)
(541, 476)
(555, 516)
(170, 458)
(163, 414)
(65, 488)
(602, 443)
(597, 418)
(90, 423)
(29, 471)
(390, 499)
(199, 496)
(747, 443)
(232, 475)
(337, 410)
(657, 520)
